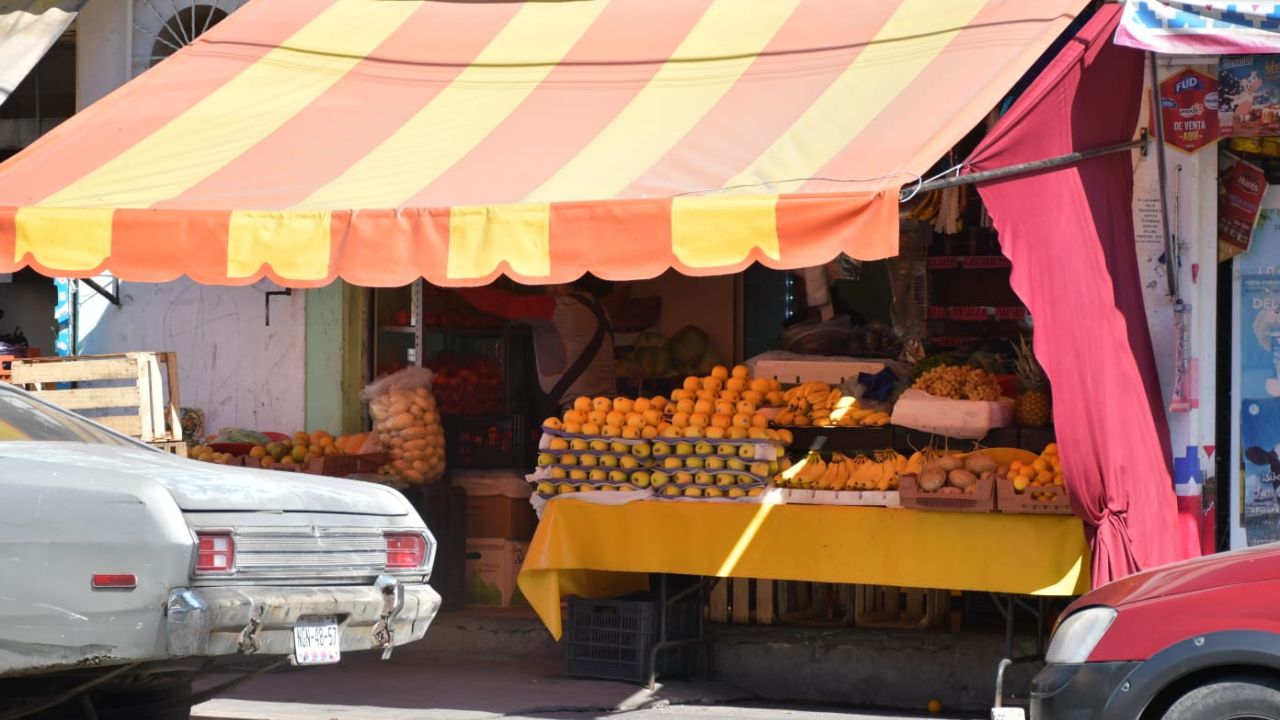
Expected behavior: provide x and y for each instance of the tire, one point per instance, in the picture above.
(1251, 698)
(169, 702)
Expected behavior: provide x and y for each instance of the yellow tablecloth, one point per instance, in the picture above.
(592, 550)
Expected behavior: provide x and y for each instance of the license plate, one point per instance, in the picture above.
(317, 640)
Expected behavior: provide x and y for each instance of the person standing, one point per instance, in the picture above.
(572, 339)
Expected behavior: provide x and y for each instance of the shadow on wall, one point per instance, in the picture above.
(231, 365)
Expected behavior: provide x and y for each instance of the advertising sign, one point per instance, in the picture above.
(1249, 96)
(1189, 109)
(1259, 361)
(1241, 201)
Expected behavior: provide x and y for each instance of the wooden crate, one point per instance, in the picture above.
(132, 393)
(815, 603)
(175, 447)
(742, 601)
(885, 606)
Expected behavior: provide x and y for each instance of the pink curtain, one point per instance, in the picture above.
(1069, 234)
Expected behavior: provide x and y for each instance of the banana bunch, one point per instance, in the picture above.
(820, 405)
(927, 207)
(878, 473)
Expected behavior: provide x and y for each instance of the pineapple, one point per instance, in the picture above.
(1032, 408)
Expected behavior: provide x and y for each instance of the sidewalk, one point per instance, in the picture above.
(417, 685)
(412, 687)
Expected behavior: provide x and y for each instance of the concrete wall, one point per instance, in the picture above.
(1191, 188)
(233, 366)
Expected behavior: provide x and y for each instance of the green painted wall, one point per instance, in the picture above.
(335, 358)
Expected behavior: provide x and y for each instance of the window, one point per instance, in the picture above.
(23, 419)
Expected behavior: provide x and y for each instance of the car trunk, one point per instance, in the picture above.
(201, 487)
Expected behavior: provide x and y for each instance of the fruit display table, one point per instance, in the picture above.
(593, 550)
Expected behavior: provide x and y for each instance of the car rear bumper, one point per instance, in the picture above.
(259, 620)
(1079, 692)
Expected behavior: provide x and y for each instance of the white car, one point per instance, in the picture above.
(125, 573)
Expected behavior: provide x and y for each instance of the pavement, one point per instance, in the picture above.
(423, 685)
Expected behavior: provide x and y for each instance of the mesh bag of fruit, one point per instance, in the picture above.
(406, 422)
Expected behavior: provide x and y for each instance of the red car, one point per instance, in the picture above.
(1197, 640)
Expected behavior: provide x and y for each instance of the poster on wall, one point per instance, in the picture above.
(1243, 186)
(1189, 110)
(1259, 359)
(1249, 96)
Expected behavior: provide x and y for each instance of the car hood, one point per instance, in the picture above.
(1233, 568)
(204, 487)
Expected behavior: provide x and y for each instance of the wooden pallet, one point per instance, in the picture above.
(132, 393)
(885, 606)
(815, 603)
(175, 447)
(742, 601)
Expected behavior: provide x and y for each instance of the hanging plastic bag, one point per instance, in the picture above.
(407, 424)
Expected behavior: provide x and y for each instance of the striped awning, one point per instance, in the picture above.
(383, 140)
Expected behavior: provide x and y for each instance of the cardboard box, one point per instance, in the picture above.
(492, 567)
(810, 368)
(500, 516)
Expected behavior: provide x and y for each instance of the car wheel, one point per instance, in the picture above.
(170, 702)
(1231, 699)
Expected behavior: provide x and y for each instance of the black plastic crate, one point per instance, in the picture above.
(614, 639)
(444, 510)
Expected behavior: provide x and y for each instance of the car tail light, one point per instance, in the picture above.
(406, 551)
(215, 553)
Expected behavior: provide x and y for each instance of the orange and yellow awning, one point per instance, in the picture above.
(383, 140)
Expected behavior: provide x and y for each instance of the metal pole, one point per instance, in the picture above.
(1026, 168)
(1170, 252)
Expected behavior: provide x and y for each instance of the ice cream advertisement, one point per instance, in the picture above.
(1249, 96)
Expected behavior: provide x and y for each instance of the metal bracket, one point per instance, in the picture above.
(392, 603)
(248, 642)
(267, 300)
(112, 296)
